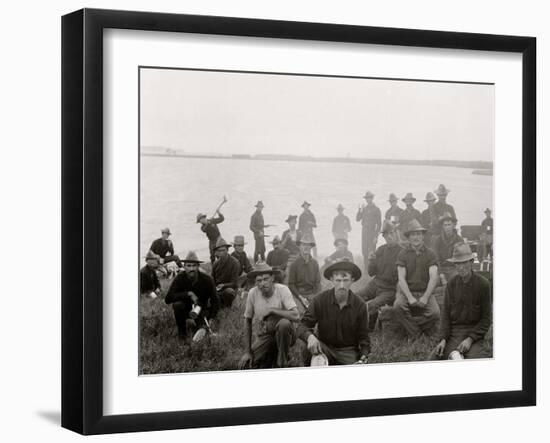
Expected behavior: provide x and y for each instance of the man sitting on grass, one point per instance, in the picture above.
(304, 278)
(272, 306)
(341, 319)
(193, 297)
(225, 270)
(415, 306)
(149, 284)
(467, 310)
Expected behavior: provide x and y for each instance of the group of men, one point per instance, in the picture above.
(284, 296)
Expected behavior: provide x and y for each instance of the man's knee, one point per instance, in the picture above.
(284, 325)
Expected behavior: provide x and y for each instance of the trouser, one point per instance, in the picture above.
(211, 246)
(186, 325)
(485, 246)
(174, 258)
(416, 320)
(226, 296)
(369, 240)
(335, 356)
(271, 348)
(376, 296)
(458, 334)
(259, 249)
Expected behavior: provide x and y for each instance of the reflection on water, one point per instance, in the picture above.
(175, 189)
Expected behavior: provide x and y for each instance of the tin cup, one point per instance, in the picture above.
(195, 312)
(455, 355)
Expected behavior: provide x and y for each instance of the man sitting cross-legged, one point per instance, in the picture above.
(415, 306)
(340, 316)
(274, 310)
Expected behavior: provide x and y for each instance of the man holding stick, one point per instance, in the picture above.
(210, 228)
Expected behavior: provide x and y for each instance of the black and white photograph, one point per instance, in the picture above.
(296, 220)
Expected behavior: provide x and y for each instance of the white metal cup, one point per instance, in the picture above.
(195, 312)
(455, 355)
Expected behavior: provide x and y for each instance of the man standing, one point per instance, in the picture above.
(486, 237)
(341, 319)
(274, 311)
(306, 223)
(226, 271)
(467, 309)
(257, 227)
(149, 284)
(417, 279)
(304, 278)
(441, 207)
(380, 291)
(409, 213)
(371, 220)
(193, 297)
(341, 225)
(394, 212)
(210, 228)
(164, 248)
(277, 258)
(444, 245)
(341, 253)
(429, 220)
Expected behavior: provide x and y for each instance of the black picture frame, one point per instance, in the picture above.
(82, 220)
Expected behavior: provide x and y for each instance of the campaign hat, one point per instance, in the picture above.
(414, 226)
(220, 243)
(461, 253)
(343, 265)
(192, 257)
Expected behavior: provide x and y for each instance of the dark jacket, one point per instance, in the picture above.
(162, 247)
(257, 224)
(226, 271)
(210, 228)
(370, 217)
(289, 244)
(246, 267)
(304, 278)
(306, 222)
(383, 267)
(278, 258)
(148, 280)
(203, 288)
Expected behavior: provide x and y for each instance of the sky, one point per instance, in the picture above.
(249, 113)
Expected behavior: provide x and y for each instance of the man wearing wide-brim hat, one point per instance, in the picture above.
(306, 223)
(149, 283)
(341, 253)
(210, 227)
(341, 226)
(193, 297)
(394, 212)
(441, 206)
(291, 237)
(335, 323)
(429, 220)
(486, 236)
(466, 315)
(444, 245)
(380, 291)
(304, 278)
(272, 308)
(410, 213)
(257, 226)
(415, 306)
(164, 248)
(278, 258)
(226, 271)
(371, 222)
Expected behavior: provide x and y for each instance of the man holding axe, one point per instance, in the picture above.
(210, 228)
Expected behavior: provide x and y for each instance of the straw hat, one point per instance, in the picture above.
(461, 253)
(220, 243)
(343, 265)
(192, 257)
(414, 226)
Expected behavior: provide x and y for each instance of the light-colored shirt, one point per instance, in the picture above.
(257, 306)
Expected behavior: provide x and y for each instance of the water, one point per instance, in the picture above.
(175, 189)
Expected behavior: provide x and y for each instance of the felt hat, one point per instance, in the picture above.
(290, 218)
(239, 240)
(340, 206)
(191, 257)
(487, 211)
(338, 240)
(261, 268)
(414, 226)
(199, 216)
(408, 198)
(260, 204)
(392, 198)
(166, 231)
(446, 216)
(306, 239)
(368, 194)
(152, 256)
(306, 203)
(276, 239)
(387, 227)
(442, 190)
(461, 253)
(430, 197)
(343, 265)
(220, 243)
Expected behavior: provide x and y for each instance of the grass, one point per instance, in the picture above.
(161, 352)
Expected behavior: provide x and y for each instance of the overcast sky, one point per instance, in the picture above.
(219, 112)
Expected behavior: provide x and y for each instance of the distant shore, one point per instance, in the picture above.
(476, 165)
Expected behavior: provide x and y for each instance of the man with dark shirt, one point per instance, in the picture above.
(429, 220)
(441, 207)
(444, 245)
(393, 215)
(371, 220)
(380, 291)
(306, 224)
(341, 225)
(467, 309)
(226, 271)
(149, 284)
(415, 306)
(257, 226)
(410, 213)
(291, 237)
(304, 278)
(341, 253)
(240, 254)
(164, 248)
(277, 258)
(341, 319)
(210, 227)
(486, 237)
(193, 297)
